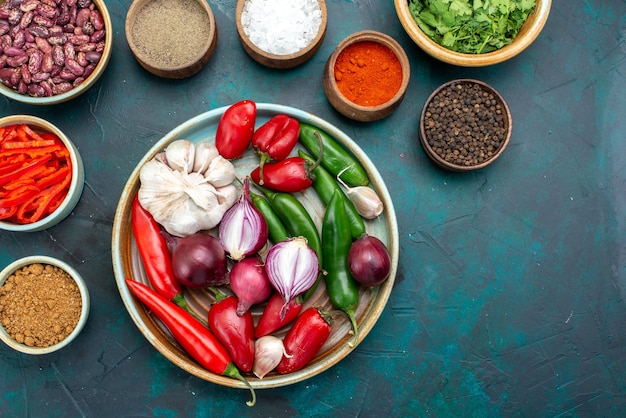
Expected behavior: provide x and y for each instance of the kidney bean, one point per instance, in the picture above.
(60, 39)
(26, 19)
(67, 75)
(16, 76)
(34, 61)
(39, 31)
(43, 45)
(82, 17)
(89, 46)
(15, 16)
(5, 73)
(17, 60)
(74, 66)
(48, 11)
(12, 51)
(39, 77)
(89, 69)
(96, 19)
(78, 39)
(29, 5)
(60, 88)
(4, 28)
(25, 74)
(97, 36)
(22, 88)
(58, 56)
(93, 56)
(47, 64)
(47, 88)
(69, 51)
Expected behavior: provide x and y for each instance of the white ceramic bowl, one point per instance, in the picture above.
(85, 85)
(38, 259)
(76, 185)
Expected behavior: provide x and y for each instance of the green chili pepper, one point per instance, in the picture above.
(342, 289)
(335, 157)
(275, 227)
(325, 185)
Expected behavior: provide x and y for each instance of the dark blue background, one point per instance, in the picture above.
(509, 295)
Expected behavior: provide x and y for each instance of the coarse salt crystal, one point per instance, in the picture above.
(281, 27)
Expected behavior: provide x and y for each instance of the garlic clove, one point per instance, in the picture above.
(206, 153)
(268, 352)
(220, 172)
(180, 155)
(366, 201)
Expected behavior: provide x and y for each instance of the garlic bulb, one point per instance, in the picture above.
(181, 199)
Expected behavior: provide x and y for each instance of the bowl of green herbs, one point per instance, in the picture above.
(473, 33)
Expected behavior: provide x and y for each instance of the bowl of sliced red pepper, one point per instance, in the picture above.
(142, 262)
(41, 174)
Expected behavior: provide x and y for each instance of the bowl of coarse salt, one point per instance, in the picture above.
(281, 33)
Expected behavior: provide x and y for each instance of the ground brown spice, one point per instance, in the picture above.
(40, 305)
(171, 33)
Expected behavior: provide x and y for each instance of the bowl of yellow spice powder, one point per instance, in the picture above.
(171, 38)
(366, 76)
(44, 304)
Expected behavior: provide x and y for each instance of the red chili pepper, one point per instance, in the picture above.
(194, 337)
(305, 339)
(275, 139)
(235, 332)
(270, 319)
(156, 257)
(235, 129)
(291, 175)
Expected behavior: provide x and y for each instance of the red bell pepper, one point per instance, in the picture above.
(275, 139)
(235, 332)
(270, 320)
(156, 257)
(235, 129)
(291, 175)
(194, 337)
(305, 339)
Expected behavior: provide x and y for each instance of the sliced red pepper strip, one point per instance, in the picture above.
(19, 195)
(53, 177)
(10, 133)
(34, 152)
(28, 144)
(31, 133)
(25, 170)
(6, 213)
(40, 203)
(8, 167)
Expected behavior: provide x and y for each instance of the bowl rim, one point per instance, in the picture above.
(380, 38)
(455, 167)
(285, 60)
(531, 29)
(201, 57)
(76, 185)
(84, 294)
(87, 83)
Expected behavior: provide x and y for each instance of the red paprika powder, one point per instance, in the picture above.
(368, 73)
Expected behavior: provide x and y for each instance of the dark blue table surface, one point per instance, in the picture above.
(509, 299)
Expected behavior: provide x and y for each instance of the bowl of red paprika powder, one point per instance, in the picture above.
(366, 76)
(41, 174)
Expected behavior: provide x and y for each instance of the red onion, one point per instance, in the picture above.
(249, 282)
(243, 230)
(369, 261)
(292, 267)
(198, 260)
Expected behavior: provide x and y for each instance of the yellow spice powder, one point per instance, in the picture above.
(171, 33)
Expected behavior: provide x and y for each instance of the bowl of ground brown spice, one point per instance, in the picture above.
(366, 76)
(171, 38)
(44, 304)
(465, 125)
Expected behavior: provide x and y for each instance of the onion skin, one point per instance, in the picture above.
(249, 282)
(369, 261)
(199, 260)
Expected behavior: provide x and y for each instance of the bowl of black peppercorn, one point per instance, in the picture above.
(465, 125)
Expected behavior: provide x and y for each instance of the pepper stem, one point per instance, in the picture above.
(350, 311)
(180, 300)
(265, 158)
(317, 162)
(232, 371)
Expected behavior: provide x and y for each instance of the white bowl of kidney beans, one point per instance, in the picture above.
(52, 51)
